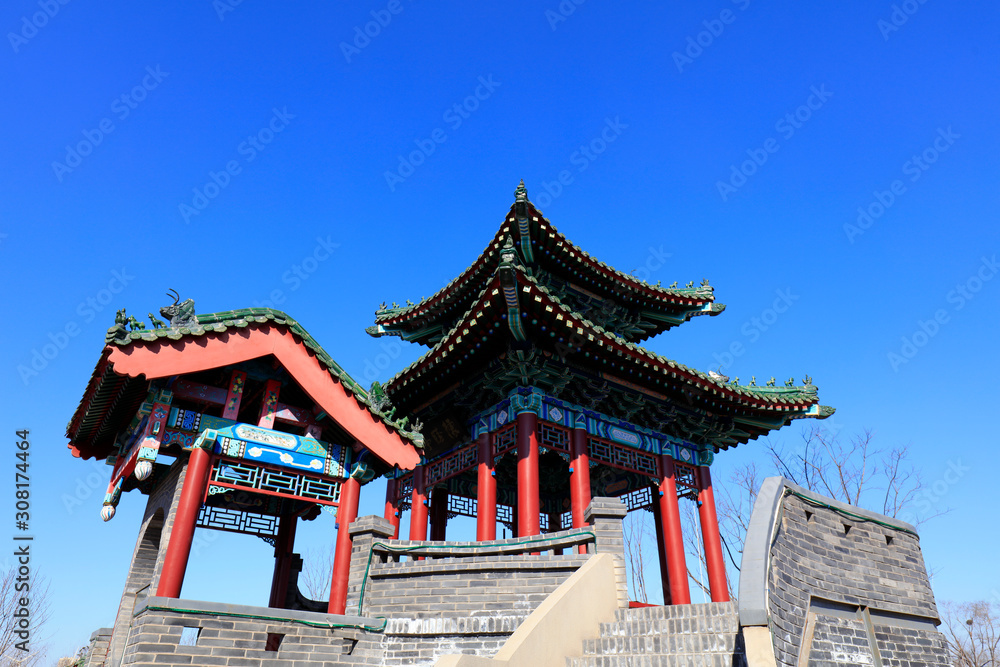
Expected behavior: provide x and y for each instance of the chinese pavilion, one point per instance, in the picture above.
(536, 395)
(235, 421)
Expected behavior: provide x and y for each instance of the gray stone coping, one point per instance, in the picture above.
(504, 624)
(562, 539)
(224, 609)
(466, 565)
(760, 535)
(101, 632)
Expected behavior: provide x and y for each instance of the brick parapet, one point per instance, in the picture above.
(605, 516)
(238, 635)
(818, 572)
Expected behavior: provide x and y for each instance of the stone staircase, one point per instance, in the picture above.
(696, 635)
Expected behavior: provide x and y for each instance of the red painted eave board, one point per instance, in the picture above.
(191, 355)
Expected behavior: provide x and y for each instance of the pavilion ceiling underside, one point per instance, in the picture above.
(567, 356)
(598, 288)
(109, 405)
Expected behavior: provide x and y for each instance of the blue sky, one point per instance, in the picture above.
(834, 162)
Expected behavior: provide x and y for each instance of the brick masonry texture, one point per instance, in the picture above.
(227, 640)
(839, 641)
(99, 642)
(683, 635)
(463, 598)
(820, 553)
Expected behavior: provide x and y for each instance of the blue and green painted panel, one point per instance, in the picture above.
(286, 450)
(597, 424)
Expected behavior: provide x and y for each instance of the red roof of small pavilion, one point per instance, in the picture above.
(131, 358)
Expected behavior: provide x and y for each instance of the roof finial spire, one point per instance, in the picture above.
(521, 193)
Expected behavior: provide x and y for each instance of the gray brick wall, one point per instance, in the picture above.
(226, 636)
(903, 647)
(821, 554)
(99, 642)
(462, 597)
(839, 641)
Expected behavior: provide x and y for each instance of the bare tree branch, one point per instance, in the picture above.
(973, 633)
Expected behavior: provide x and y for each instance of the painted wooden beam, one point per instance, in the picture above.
(269, 405)
(235, 394)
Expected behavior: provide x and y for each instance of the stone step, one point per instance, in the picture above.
(672, 626)
(705, 610)
(715, 643)
(658, 660)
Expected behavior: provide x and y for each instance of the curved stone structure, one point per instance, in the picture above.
(826, 583)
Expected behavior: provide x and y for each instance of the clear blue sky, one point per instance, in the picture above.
(651, 128)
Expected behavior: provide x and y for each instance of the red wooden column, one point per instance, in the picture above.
(283, 547)
(179, 542)
(714, 562)
(673, 539)
(347, 512)
(439, 513)
(527, 475)
(392, 507)
(418, 506)
(579, 478)
(486, 491)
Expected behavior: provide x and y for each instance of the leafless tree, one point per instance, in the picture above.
(636, 529)
(855, 471)
(317, 571)
(973, 633)
(11, 654)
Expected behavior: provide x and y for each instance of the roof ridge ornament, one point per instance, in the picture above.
(523, 223)
(180, 313)
(521, 193)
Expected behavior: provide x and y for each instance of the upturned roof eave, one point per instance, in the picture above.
(218, 323)
(782, 402)
(458, 289)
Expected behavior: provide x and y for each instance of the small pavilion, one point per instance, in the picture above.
(535, 395)
(236, 421)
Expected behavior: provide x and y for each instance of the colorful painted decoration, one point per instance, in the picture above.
(287, 450)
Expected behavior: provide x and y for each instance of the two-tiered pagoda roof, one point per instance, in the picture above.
(535, 310)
